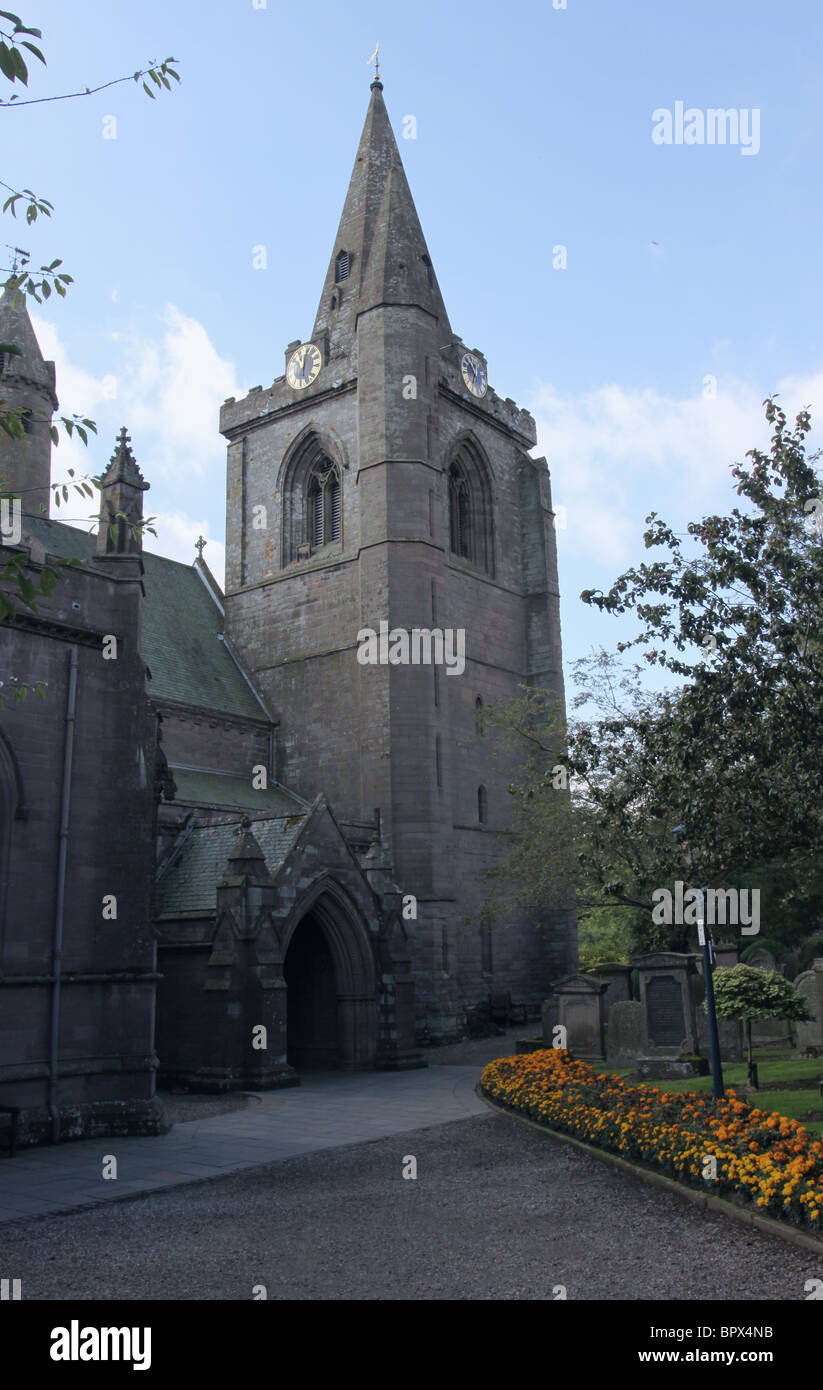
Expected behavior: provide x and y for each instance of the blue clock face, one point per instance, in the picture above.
(474, 374)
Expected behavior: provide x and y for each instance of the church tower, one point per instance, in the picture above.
(26, 384)
(381, 486)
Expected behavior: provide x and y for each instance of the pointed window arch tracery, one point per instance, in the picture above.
(471, 533)
(311, 486)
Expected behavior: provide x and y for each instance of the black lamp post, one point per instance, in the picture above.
(704, 940)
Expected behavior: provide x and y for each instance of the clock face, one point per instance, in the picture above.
(474, 374)
(304, 366)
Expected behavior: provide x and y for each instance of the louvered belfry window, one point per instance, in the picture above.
(324, 505)
(341, 267)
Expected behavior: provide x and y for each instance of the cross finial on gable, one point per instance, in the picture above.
(198, 545)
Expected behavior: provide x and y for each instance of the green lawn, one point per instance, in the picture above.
(772, 1067)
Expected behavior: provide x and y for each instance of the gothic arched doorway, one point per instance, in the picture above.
(311, 1018)
(331, 990)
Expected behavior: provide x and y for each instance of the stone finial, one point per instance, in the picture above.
(123, 466)
(121, 512)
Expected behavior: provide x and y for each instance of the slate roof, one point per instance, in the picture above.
(190, 882)
(181, 623)
(197, 788)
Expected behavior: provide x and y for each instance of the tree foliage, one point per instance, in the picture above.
(746, 993)
(22, 281)
(730, 755)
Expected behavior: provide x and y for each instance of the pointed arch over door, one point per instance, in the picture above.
(331, 981)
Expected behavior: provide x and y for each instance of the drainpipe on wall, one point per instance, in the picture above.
(62, 862)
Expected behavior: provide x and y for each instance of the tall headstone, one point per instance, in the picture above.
(668, 1008)
(576, 1003)
(617, 977)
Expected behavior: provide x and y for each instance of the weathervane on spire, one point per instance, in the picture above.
(375, 58)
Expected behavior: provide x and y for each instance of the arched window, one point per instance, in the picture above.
(323, 511)
(482, 806)
(459, 512)
(310, 483)
(470, 507)
(341, 267)
(478, 717)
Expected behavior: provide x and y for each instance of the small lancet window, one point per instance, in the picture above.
(341, 267)
(459, 514)
(478, 716)
(482, 806)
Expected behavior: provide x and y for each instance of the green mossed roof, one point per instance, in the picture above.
(181, 627)
(190, 882)
(197, 788)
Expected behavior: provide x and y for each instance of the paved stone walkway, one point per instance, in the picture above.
(325, 1112)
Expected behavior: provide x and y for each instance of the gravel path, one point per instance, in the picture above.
(497, 1211)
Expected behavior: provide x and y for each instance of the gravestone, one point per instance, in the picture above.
(624, 1032)
(810, 986)
(617, 977)
(729, 1030)
(668, 1008)
(762, 959)
(576, 1004)
(768, 1032)
(726, 954)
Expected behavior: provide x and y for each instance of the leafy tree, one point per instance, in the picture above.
(589, 826)
(15, 37)
(741, 742)
(746, 993)
(609, 933)
(731, 753)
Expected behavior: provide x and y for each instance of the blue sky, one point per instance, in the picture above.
(692, 284)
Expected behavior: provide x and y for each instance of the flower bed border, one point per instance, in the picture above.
(706, 1200)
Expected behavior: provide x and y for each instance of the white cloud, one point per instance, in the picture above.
(176, 535)
(168, 391)
(171, 391)
(616, 453)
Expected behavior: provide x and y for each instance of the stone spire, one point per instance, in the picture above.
(26, 383)
(121, 491)
(380, 233)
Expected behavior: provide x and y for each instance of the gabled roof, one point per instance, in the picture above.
(189, 883)
(221, 789)
(182, 626)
